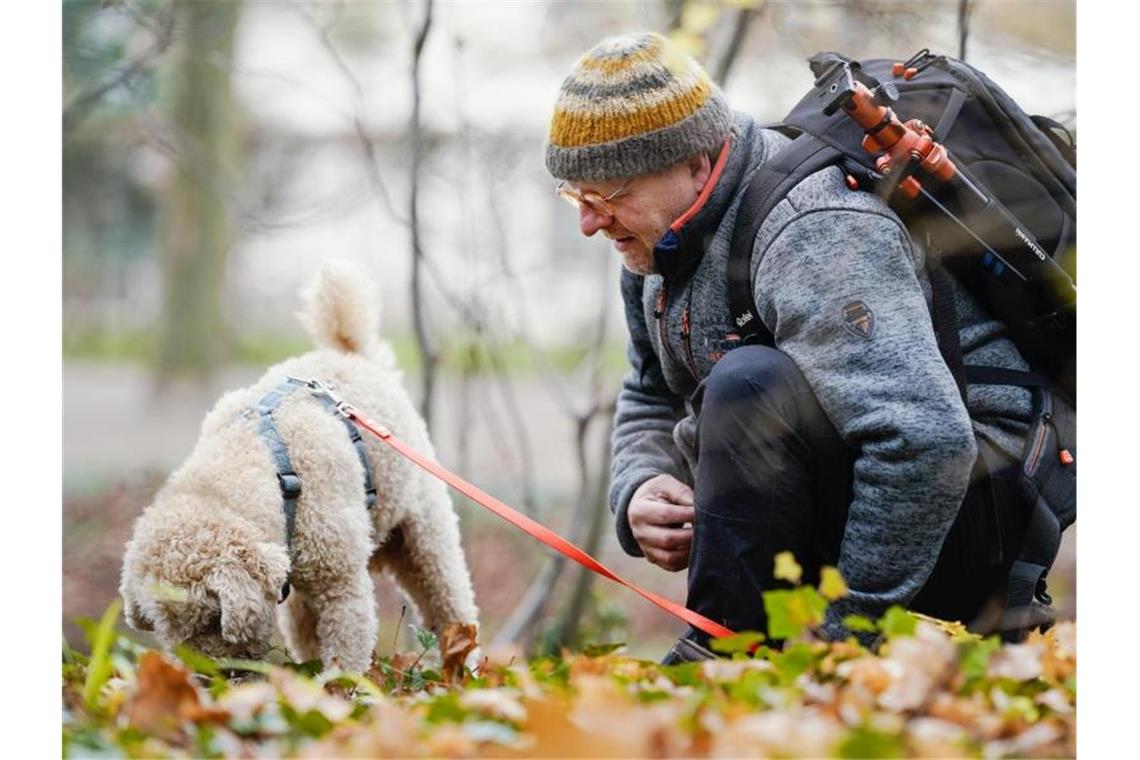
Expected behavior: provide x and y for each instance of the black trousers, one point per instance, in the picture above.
(773, 475)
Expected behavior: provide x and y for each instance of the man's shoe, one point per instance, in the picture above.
(686, 650)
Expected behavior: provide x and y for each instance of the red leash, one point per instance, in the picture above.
(541, 532)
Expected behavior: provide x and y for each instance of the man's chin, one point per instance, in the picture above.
(639, 264)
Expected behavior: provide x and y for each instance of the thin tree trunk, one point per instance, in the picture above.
(740, 26)
(427, 352)
(566, 631)
(197, 230)
(963, 27)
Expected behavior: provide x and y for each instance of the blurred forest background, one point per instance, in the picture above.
(215, 153)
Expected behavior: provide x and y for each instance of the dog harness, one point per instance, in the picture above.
(287, 478)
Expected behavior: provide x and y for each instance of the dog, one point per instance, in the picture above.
(210, 557)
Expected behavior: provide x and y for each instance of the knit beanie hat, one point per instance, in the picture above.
(634, 105)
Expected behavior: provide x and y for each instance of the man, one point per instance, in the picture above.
(847, 442)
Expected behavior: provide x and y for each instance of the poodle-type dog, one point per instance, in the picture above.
(209, 558)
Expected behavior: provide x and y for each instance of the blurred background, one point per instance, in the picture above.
(216, 153)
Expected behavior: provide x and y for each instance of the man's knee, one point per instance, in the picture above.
(751, 377)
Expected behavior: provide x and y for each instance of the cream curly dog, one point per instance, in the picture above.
(209, 557)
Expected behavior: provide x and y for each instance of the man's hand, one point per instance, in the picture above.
(658, 510)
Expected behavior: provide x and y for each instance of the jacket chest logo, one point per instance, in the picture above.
(859, 320)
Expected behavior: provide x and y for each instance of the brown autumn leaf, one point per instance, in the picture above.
(456, 642)
(166, 698)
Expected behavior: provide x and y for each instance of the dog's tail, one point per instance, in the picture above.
(342, 312)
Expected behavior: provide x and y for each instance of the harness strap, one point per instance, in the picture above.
(357, 441)
(287, 478)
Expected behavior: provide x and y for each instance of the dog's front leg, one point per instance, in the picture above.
(346, 622)
(298, 622)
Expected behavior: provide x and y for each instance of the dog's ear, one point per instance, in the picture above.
(247, 592)
(246, 612)
(133, 613)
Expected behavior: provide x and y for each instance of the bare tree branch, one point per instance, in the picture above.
(366, 143)
(429, 354)
(740, 23)
(81, 105)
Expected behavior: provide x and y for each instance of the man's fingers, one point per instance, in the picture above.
(664, 513)
(671, 561)
(666, 539)
(675, 491)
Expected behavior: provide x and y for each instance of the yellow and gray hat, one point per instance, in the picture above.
(634, 105)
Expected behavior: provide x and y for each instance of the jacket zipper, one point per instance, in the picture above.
(659, 313)
(688, 345)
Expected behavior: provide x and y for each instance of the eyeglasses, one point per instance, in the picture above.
(596, 201)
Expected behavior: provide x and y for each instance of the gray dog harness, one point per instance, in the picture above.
(287, 478)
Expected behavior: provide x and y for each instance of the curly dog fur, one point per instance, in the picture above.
(207, 558)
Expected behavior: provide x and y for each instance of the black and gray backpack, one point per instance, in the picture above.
(1012, 244)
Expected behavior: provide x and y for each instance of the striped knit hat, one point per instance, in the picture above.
(634, 106)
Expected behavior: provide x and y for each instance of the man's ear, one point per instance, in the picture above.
(700, 169)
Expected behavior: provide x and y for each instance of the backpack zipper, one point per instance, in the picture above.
(1063, 453)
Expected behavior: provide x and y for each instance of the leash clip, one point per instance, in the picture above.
(317, 388)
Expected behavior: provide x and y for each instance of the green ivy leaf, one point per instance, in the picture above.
(311, 722)
(738, 642)
(790, 611)
(859, 624)
(865, 742)
(196, 661)
(975, 659)
(831, 584)
(787, 569)
(793, 661)
(426, 639)
(897, 622)
(446, 709)
(600, 650)
(308, 668)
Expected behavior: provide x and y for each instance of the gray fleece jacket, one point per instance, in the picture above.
(891, 397)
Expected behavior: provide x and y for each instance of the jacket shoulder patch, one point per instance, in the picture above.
(859, 320)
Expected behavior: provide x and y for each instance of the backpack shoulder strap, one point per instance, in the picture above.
(769, 184)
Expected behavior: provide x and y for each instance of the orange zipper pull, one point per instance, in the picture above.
(1066, 457)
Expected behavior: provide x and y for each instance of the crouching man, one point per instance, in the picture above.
(846, 441)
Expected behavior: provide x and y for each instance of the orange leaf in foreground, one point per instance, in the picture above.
(166, 698)
(456, 642)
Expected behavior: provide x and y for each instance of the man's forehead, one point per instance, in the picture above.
(602, 187)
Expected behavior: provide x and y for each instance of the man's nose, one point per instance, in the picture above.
(590, 220)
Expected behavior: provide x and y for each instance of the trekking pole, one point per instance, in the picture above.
(908, 149)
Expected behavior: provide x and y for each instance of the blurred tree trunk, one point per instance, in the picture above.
(566, 629)
(197, 231)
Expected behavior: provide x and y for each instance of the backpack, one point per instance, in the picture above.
(1005, 229)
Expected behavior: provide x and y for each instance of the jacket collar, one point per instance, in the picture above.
(680, 250)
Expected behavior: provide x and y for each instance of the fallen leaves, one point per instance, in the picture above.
(930, 691)
(165, 698)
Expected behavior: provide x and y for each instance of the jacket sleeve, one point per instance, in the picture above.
(642, 441)
(841, 291)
